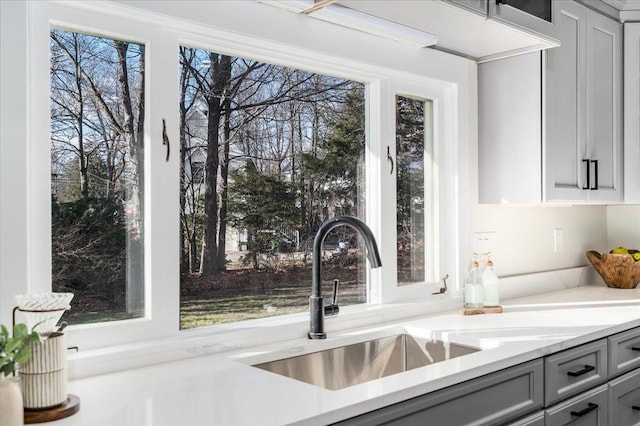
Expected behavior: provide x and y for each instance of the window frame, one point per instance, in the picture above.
(161, 320)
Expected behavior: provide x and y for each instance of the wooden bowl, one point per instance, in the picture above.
(617, 270)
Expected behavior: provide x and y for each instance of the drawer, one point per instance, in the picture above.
(587, 409)
(570, 372)
(624, 400)
(624, 352)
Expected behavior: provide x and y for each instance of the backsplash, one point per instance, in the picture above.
(623, 226)
(525, 235)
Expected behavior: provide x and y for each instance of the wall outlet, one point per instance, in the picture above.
(485, 242)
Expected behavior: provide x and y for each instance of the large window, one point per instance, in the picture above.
(268, 153)
(178, 173)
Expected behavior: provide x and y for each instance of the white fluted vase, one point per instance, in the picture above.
(11, 402)
(44, 375)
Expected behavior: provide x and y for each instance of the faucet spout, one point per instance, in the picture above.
(316, 306)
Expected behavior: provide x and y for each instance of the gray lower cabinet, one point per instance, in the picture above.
(590, 408)
(624, 352)
(594, 384)
(574, 370)
(624, 400)
(488, 400)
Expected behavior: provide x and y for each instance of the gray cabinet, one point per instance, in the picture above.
(574, 370)
(632, 112)
(549, 127)
(624, 400)
(488, 400)
(587, 409)
(624, 352)
(535, 16)
(575, 384)
(582, 90)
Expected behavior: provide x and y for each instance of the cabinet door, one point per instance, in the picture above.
(632, 112)
(624, 400)
(590, 408)
(564, 94)
(604, 108)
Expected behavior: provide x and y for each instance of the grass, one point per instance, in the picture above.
(224, 306)
(237, 294)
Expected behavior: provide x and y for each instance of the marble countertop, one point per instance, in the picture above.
(224, 389)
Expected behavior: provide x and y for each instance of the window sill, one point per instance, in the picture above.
(234, 336)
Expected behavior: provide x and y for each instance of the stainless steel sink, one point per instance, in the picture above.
(357, 363)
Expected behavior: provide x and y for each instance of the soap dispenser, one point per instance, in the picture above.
(473, 289)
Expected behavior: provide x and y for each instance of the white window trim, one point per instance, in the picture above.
(452, 80)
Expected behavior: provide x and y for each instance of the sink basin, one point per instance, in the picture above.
(345, 366)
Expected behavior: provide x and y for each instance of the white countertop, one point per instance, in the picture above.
(224, 389)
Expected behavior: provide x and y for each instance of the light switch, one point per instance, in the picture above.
(557, 240)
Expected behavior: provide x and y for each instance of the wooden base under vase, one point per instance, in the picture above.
(66, 409)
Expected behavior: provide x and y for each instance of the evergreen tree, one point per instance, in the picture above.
(264, 206)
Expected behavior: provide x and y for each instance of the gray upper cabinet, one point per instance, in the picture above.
(632, 112)
(571, 150)
(583, 138)
(477, 6)
(532, 15)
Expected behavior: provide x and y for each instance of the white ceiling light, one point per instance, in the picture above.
(359, 21)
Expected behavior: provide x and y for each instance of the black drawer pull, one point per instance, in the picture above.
(635, 348)
(585, 370)
(581, 413)
(636, 407)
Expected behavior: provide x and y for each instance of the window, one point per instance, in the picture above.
(277, 151)
(413, 201)
(283, 166)
(97, 169)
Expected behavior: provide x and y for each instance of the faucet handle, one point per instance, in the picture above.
(333, 308)
(334, 298)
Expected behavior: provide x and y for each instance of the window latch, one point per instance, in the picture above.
(443, 289)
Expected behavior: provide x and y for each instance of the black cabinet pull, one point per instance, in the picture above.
(636, 407)
(581, 413)
(588, 174)
(595, 178)
(585, 370)
(501, 1)
(635, 348)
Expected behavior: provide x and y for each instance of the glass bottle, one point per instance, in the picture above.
(490, 284)
(473, 289)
